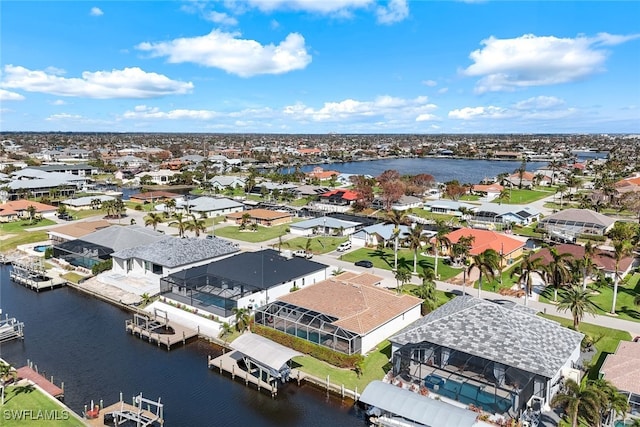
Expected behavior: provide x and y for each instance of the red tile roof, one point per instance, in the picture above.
(347, 194)
(15, 206)
(603, 259)
(622, 368)
(491, 188)
(153, 195)
(486, 239)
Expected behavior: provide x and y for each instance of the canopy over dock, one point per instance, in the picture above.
(265, 353)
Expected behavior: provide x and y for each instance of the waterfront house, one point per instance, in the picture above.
(159, 177)
(448, 207)
(222, 182)
(622, 369)
(348, 313)
(402, 204)
(37, 183)
(498, 357)
(324, 225)
(71, 169)
(245, 280)
(320, 173)
(153, 197)
(75, 230)
(567, 225)
(148, 263)
(264, 217)
(87, 202)
(510, 247)
(488, 192)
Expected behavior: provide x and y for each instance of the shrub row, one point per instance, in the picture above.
(325, 354)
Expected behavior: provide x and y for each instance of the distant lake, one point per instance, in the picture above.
(443, 169)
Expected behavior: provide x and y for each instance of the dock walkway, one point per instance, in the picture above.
(29, 374)
(122, 412)
(160, 331)
(228, 362)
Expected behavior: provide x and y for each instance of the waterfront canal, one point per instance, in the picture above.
(81, 340)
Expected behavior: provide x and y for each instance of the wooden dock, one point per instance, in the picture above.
(123, 412)
(155, 330)
(32, 274)
(28, 373)
(228, 362)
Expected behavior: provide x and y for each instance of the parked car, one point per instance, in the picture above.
(364, 263)
(303, 254)
(344, 246)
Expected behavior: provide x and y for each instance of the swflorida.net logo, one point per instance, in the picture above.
(35, 414)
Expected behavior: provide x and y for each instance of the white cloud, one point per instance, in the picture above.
(426, 117)
(125, 83)
(529, 60)
(96, 11)
(607, 39)
(396, 11)
(221, 18)
(430, 83)
(5, 95)
(63, 116)
(443, 90)
(58, 102)
(536, 108)
(274, 25)
(340, 7)
(226, 51)
(144, 112)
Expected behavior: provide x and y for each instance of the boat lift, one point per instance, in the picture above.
(137, 413)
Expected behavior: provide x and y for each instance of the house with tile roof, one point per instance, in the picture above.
(568, 224)
(487, 191)
(19, 209)
(244, 280)
(75, 230)
(153, 197)
(349, 313)
(622, 369)
(511, 247)
(496, 356)
(264, 217)
(320, 173)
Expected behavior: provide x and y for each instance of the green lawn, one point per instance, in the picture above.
(375, 365)
(607, 340)
(435, 216)
(86, 213)
(384, 259)
(529, 231)
(625, 308)
(299, 202)
(34, 408)
(72, 277)
(469, 198)
(319, 245)
(20, 226)
(22, 239)
(263, 233)
(522, 196)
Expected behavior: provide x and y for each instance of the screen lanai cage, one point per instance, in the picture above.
(309, 325)
(81, 253)
(489, 385)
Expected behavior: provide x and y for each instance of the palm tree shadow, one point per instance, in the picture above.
(20, 389)
(382, 255)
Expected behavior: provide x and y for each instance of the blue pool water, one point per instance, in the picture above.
(41, 248)
(468, 394)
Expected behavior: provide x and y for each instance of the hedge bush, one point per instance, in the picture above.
(102, 266)
(325, 354)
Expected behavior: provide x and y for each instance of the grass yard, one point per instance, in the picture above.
(73, 277)
(375, 365)
(87, 213)
(442, 297)
(522, 196)
(606, 340)
(263, 233)
(435, 216)
(25, 405)
(384, 259)
(22, 239)
(319, 245)
(22, 225)
(625, 308)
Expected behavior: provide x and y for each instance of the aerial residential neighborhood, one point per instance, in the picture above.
(480, 294)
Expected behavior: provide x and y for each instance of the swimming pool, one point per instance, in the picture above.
(41, 248)
(468, 394)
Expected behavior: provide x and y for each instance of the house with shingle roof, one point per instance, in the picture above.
(496, 356)
(209, 207)
(349, 313)
(622, 369)
(264, 217)
(324, 225)
(568, 224)
(494, 215)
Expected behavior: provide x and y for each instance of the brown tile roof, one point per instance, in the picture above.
(603, 259)
(622, 368)
(260, 214)
(486, 239)
(493, 188)
(153, 195)
(79, 229)
(359, 308)
(15, 206)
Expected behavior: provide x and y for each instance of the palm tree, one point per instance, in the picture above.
(578, 302)
(180, 222)
(582, 403)
(440, 240)
(397, 218)
(243, 318)
(460, 249)
(225, 330)
(487, 263)
(153, 219)
(196, 225)
(557, 271)
(414, 240)
(96, 203)
(31, 210)
(616, 403)
(307, 246)
(170, 205)
(526, 270)
(621, 249)
(403, 276)
(338, 271)
(587, 262)
(244, 220)
(118, 207)
(427, 291)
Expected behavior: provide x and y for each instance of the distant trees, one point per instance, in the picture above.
(454, 190)
(363, 187)
(391, 186)
(153, 219)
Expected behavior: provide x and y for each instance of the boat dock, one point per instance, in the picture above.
(28, 373)
(10, 329)
(122, 412)
(228, 362)
(157, 328)
(31, 273)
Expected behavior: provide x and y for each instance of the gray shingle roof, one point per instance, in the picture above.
(324, 221)
(581, 215)
(173, 252)
(208, 204)
(122, 237)
(509, 334)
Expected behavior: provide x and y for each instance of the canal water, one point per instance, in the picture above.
(82, 341)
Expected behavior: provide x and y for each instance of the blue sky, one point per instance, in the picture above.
(306, 66)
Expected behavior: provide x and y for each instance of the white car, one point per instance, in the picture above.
(303, 254)
(344, 246)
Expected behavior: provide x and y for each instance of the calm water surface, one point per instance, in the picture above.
(81, 341)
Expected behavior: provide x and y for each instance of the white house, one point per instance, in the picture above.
(324, 225)
(209, 206)
(159, 177)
